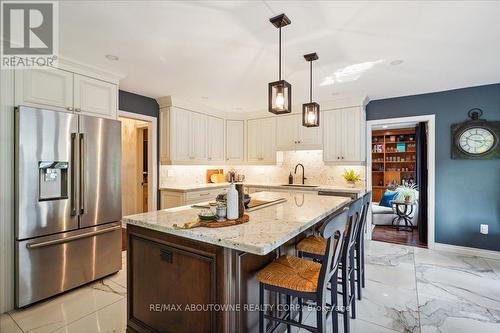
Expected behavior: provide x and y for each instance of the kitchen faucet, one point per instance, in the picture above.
(303, 173)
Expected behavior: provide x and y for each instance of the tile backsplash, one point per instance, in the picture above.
(315, 170)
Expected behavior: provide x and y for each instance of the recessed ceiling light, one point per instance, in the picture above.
(111, 57)
(396, 62)
(384, 126)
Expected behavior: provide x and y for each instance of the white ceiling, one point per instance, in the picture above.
(223, 53)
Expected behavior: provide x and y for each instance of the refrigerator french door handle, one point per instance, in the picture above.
(74, 162)
(71, 238)
(82, 173)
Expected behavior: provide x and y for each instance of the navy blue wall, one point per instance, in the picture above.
(467, 191)
(131, 102)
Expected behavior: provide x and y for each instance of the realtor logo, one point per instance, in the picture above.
(29, 33)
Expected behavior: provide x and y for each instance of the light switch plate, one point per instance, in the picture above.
(483, 229)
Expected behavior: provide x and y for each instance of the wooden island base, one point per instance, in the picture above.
(177, 284)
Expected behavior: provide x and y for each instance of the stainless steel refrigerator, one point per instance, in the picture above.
(68, 201)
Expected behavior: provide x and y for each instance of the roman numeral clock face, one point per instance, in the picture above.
(476, 141)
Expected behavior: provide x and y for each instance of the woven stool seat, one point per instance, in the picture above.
(313, 244)
(292, 273)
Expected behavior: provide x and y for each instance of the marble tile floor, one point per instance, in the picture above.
(408, 290)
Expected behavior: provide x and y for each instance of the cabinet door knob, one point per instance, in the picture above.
(338, 157)
(342, 157)
(69, 108)
(78, 110)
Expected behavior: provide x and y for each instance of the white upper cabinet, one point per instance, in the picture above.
(235, 141)
(291, 135)
(262, 141)
(311, 137)
(44, 88)
(215, 140)
(287, 132)
(94, 97)
(344, 136)
(188, 137)
(180, 134)
(61, 90)
(254, 141)
(198, 137)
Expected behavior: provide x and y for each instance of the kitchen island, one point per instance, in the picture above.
(203, 279)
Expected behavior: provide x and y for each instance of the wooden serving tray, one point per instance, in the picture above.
(213, 224)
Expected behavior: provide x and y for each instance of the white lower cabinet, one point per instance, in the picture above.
(171, 199)
(344, 136)
(61, 90)
(251, 189)
(261, 140)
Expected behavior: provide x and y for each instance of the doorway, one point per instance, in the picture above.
(139, 164)
(401, 156)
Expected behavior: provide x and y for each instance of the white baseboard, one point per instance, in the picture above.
(469, 251)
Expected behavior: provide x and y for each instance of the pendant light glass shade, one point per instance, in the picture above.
(280, 97)
(310, 114)
(310, 111)
(280, 92)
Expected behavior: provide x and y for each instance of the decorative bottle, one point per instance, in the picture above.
(232, 203)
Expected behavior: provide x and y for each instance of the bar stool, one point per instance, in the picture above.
(306, 280)
(313, 246)
(360, 245)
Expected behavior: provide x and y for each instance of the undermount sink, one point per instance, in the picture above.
(299, 185)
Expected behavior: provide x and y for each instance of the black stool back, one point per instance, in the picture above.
(360, 245)
(353, 219)
(333, 232)
(362, 224)
(347, 263)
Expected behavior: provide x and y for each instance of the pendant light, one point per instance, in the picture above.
(280, 92)
(310, 111)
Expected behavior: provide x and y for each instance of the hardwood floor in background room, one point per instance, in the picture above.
(386, 233)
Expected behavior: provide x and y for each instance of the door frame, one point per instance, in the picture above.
(152, 153)
(431, 160)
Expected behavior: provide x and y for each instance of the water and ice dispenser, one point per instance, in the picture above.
(53, 180)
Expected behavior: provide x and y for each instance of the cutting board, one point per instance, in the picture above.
(219, 172)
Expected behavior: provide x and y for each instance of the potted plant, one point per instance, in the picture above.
(407, 193)
(351, 177)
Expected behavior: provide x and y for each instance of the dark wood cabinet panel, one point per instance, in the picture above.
(165, 270)
(161, 292)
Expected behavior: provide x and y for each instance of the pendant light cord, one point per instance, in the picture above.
(311, 82)
(279, 55)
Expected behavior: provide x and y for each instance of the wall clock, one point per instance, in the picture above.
(476, 138)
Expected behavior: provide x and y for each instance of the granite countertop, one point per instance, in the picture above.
(208, 186)
(268, 228)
